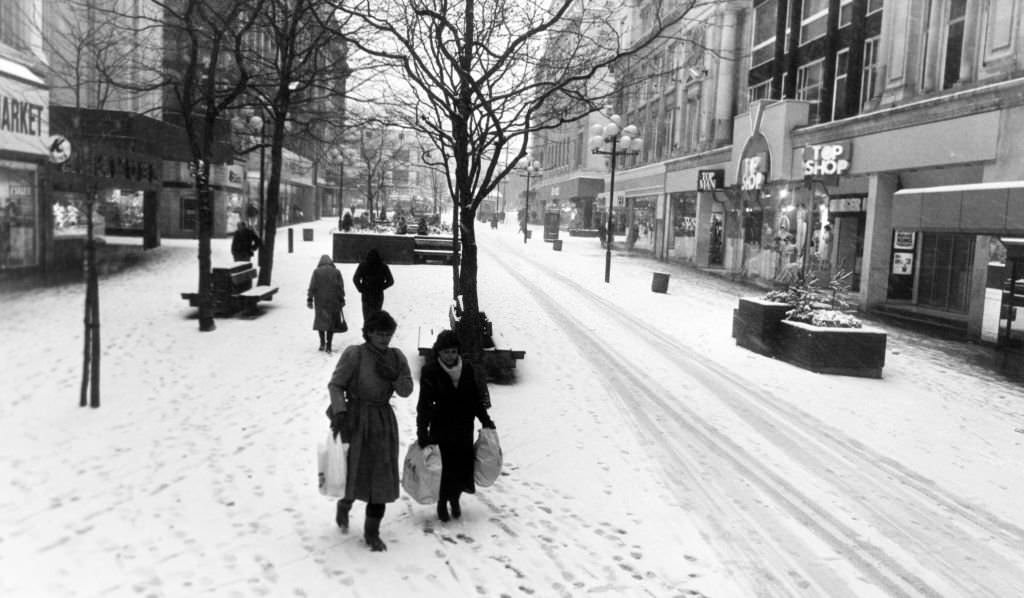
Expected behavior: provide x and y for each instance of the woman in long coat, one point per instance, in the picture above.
(372, 276)
(449, 402)
(361, 387)
(326, 296)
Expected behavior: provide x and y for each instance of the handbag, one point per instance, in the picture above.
(487, 457)
(421, 475)
(339, 324)
(332, 466)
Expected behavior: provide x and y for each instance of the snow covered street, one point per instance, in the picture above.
(645, 453)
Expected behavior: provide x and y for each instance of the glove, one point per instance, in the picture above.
(422, 441)
(309, 303)
(339, 426)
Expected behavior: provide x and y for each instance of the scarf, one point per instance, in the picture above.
(454, 372)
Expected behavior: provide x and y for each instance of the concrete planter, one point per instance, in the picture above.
(760, 326)
(845, 351)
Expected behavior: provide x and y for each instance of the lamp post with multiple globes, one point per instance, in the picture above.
(611, 140)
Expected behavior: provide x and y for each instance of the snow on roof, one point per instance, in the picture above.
(965, 187)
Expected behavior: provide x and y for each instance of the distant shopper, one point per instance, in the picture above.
(361, 387)
(449, 403)
(371, 278)
(244, 243)
(346, 222)
(326, 296)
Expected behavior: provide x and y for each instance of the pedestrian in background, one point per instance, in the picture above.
(449, 403)
(326, 296)
(244, 243)
(366, 376)
(371, 278)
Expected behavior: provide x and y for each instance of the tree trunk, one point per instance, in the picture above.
(205, 200)
(91, 349)
(470, 330)
(273, 205)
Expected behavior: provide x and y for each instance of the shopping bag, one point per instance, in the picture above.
(338, 323)
(332, 466)
(421, 475)
(487, 461)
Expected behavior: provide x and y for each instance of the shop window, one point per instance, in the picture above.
(189, 214)
(18, 218)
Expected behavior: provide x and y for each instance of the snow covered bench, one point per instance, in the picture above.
(248, 300)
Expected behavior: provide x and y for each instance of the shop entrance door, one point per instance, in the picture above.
(945, 277)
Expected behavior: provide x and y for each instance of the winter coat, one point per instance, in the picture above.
(445, 415)
(363, 395)
(372, 276)
(327, 292)
(244, 243)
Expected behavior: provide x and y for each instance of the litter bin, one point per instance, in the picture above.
(556, 244)
(307, 234)
(659, 284)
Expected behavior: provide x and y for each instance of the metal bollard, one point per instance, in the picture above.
(291, 240)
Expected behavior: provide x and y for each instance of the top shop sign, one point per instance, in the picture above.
(827, 159)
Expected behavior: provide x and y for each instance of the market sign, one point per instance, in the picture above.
(827, 159)
(24, 118)
(710, 180)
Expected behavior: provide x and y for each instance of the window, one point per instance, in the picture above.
(869, 76)
(813, 21)
(808, 87)
(845, 13)
(839, 88)
(945, 278)
(875, 5)
(14, 23)
(691, 124)
(954, 43)
(759, 91)
(763, 45)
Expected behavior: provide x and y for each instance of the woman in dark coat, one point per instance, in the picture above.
(448, 405)
(361, 387)
(326, 295)
(371, 278)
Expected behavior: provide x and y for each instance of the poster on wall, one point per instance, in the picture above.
(902, 263)
(903, 240)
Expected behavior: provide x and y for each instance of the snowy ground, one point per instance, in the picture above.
(646, 454)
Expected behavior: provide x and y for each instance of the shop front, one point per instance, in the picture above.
(695, 209)
(24, 145)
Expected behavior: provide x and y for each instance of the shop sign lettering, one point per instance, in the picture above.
(20, 116)
(752, 175)
(709, 180)
(830, 159)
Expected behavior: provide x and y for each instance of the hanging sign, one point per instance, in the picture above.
(902, 263)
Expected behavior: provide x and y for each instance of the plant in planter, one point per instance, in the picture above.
(809, 326)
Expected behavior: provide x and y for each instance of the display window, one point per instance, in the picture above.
(69, 217)
(19, 219)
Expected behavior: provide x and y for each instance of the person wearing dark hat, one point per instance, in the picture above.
(326, 295)
(366, 377)
(449, 402)
(371, 278)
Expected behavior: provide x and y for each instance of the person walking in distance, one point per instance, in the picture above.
(366, 376)
(449, 403)
(326, 296)
(244, 243)
(371, 278)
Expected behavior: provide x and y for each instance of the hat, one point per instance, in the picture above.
(446, 339)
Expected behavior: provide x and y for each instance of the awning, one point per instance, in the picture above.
(995, 208)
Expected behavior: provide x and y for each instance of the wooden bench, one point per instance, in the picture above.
(249, 299)
(430, 249)
(227, 284)
(499, 360)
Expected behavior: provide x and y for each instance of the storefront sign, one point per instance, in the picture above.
(710, 180)
(829, 159)
(903, 240)
(753, 173)
(24, 117)
(845, 204)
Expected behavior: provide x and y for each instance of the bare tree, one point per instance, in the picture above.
(478, 76)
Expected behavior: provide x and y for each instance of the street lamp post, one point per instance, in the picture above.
(335, 155)
(610, 140)
(253, 124)
(532, 170)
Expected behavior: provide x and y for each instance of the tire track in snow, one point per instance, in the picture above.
(972, 568)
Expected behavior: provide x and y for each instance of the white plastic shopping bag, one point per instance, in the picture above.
(421, 475)
(332, 461)
(487, 464)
